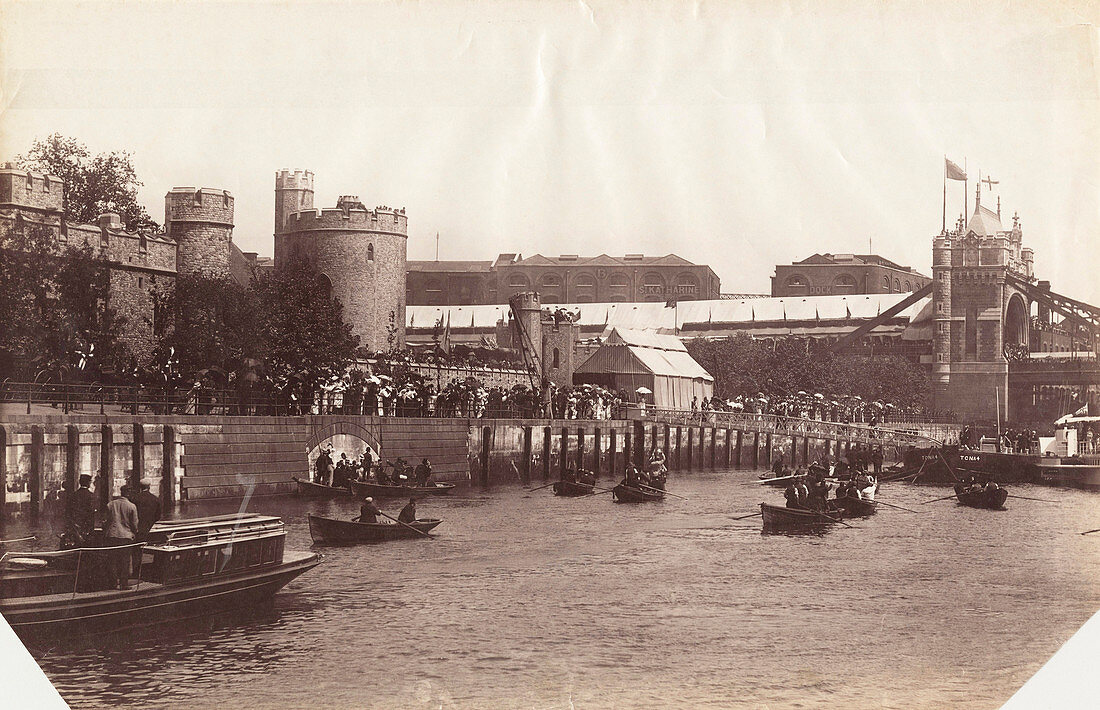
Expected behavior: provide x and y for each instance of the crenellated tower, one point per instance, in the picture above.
(361, 251)
(201, 223)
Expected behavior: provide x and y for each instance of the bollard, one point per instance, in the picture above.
(547, 445)
(106, 482)
(3, 474)
(138, 471)
(72, 456)
(38, 452)
(597, 450)
(486, 443)
(580, 448)
(525, 469)
(612, 451)
(168, 468)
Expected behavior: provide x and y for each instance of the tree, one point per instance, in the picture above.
(94, 184)
(213, 323)
(54, 306)
(303, 328)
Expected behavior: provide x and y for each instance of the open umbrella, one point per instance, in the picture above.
(644, 390)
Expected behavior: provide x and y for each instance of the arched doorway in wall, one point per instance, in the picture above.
(1016, 322)
(326, 285)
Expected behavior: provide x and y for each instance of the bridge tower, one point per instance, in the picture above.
(981, 318)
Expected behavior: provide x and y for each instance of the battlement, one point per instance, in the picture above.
(294, 180)
(354, 219)
(188, 204)
(30, 190)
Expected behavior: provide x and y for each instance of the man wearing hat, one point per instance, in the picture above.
(408, 513)
(148, 507)
(83, 509)
(368, 512)
(120, 528)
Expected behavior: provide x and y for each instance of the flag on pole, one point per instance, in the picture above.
(1083, 411)
(446, 343)
(952, 171)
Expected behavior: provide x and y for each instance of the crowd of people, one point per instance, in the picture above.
(338, 472)
(651, 477)
(843, 409)
(1013, 441)
(809, 490)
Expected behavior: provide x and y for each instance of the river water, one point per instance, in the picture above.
(524, 600)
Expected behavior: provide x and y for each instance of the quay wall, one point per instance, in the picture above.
(190, 458)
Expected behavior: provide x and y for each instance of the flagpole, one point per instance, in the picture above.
(966, 194)
(943, 228)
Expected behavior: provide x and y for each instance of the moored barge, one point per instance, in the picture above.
(188, 568)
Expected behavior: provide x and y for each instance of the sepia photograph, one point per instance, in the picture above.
(562, 355)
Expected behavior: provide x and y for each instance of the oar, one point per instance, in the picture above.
(949, 469)
(835, 520)
(891, 505)
(18, 539)
(747, 516)
(531, 490)
(1041, 500)
(658, 490)
(936, 499)
(1089, 532)
(410, 527)
(602, 491)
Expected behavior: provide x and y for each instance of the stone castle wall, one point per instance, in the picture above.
(30, 190)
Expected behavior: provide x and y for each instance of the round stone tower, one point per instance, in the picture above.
(201, 223)
(941, 313)
(527, 327)
(293, 193)
(362, 253)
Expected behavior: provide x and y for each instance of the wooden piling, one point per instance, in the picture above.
(597, 451)
(756, 449)
(138, 471)
(547, 445)
(729, 448)
(168, 468)
(806, 450)
(563, 453)
(3, 474)
(690, 449)
(713, 446)
(668, 436)
(105, 485)
(486, 447)
(639, 448)
(626, 449)
(613, 453)
(37, 482)
(679, 449)
(580, 448)
(525, 469)
(768, 450)
(72, 456)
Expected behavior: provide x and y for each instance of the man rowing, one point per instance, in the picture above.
(408, 513)
(368, 512)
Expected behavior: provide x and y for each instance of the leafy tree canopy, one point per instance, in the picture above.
(94, 184)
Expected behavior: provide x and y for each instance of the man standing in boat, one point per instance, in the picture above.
(423, 473)
(120, 528)
(83, 510)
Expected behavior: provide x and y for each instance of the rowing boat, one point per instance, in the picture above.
(623, 493)
(572, 488)
(319, 490)
(853, 507)
(776, 516)
(335, 532)
(992, 499)
(363, 489)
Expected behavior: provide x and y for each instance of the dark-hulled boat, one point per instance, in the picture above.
(189, 568)
(319, 490)
(343, 532)
(362, 489)
(990, 499)
(623, 493)
(779, 517)
(572, 488)
(852, 507)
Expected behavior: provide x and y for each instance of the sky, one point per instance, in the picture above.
(735, 134)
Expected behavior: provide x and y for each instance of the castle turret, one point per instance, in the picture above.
(527, 328)
(360, 251)
(293, 193)
(201, 223)
(25, 190)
